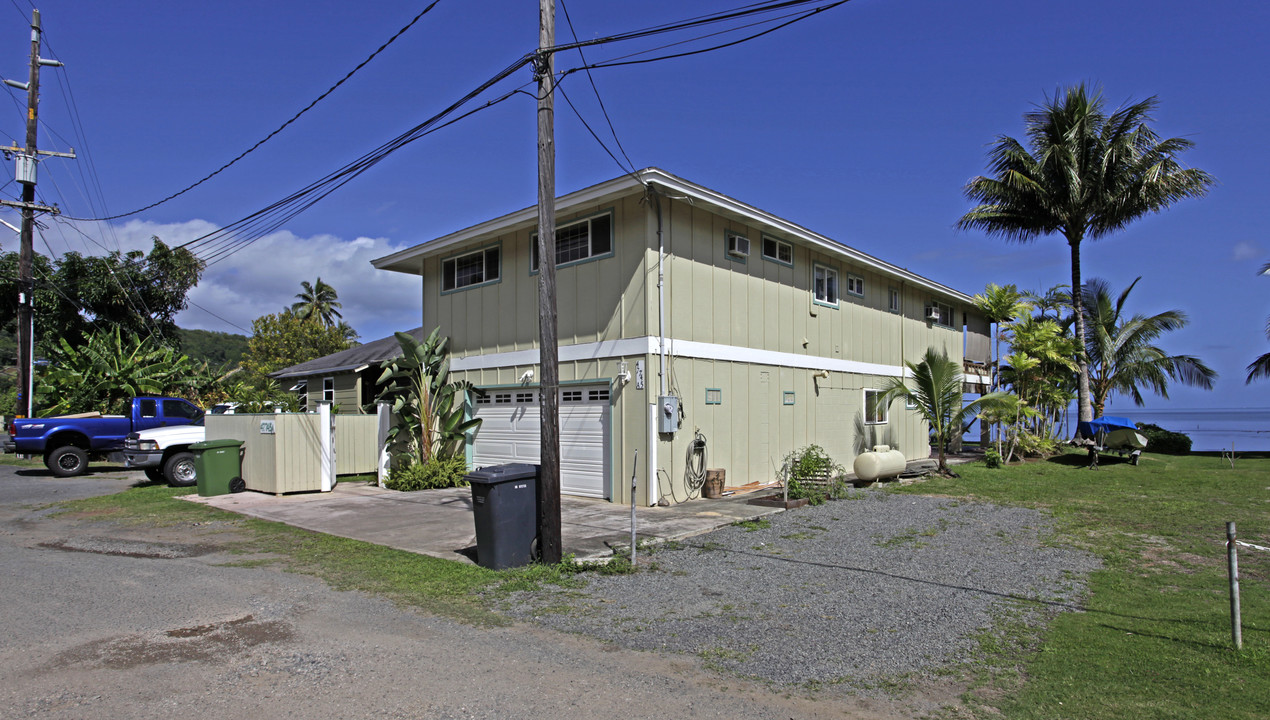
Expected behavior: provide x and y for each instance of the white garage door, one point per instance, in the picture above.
(510, 432)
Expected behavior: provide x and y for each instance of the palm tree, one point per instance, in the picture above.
(1084, 174)
(317, 301)
(1260, 368)
(1000, 304)
(936, 391)
(1122, 358)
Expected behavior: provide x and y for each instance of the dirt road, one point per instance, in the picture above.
(104, 621)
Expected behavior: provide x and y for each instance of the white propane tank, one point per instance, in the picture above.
(882, 462)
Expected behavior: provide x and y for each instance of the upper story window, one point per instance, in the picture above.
(855, 285)
(328, 389)
(825, 285)
(893, 300)
(939, 313)
(778, 251)
(470, 269)
(577, 241)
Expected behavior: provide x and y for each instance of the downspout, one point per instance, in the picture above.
(661, 348)
(661, 332)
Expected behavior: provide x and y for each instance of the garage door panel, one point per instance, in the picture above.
(511, 433)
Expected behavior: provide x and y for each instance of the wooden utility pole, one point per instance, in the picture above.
(27, 163)
(549, 541)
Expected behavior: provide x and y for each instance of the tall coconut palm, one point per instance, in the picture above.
(936, 391)
(1084, 174)
(1260, 368)
(1122, 358)
(317, 301)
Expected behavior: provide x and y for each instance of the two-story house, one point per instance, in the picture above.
(694, 328)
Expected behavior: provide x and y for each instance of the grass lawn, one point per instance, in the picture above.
(1155, 639)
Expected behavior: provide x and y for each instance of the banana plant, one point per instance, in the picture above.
(427, 407)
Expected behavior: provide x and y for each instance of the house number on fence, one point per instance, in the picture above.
(266, 427)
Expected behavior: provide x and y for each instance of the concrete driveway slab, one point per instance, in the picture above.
(440, 523)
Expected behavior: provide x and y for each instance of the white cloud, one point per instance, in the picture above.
(1246, 250)
(265, 276)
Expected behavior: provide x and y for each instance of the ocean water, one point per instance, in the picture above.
(1245, 429)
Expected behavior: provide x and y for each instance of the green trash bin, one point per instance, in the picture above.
(218, 466)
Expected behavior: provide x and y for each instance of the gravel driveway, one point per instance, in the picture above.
(855, 591)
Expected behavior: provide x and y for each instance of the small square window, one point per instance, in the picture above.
(910, 403)
(571, 396)
(502, 398)
(874, 407)
(524, 397)
(825, 285)
(714, 396)
(789, 397)
(855, 285)
(778, 251)
(482, 399)
(597, 395)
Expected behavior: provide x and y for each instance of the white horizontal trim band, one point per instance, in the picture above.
(647, 345)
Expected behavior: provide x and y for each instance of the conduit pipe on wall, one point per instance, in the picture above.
(661, 348)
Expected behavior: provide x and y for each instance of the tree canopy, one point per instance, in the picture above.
(1083, 174)
(79, 295)
(318, 301)
(284, 339)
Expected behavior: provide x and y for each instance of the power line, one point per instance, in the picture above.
(216, 246)
(218, 317)
(630, 166)
(281, 127)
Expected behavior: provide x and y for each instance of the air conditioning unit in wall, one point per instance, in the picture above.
(738, 246)
(932, 313)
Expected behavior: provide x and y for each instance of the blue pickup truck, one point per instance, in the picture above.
(67, 442)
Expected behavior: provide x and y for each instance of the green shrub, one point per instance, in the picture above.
(992, 458)
(1165, 441)
(1036, 445)
(812, 462)
(434, 473)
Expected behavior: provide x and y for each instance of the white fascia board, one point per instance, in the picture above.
(759, 217)
(406, 261)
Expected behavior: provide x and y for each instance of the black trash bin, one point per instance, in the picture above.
(505, 508)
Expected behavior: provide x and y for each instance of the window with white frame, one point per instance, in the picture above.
(855, 285)
(578, 240)
(328, 390)
(874, 407)
(301, 390)
(470, 269)
(778, 251)
(825, 285)
(893, 300)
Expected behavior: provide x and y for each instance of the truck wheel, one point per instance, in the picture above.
(155, 475)
(67, 461)
(179, 469)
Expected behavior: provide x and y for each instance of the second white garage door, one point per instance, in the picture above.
(510, 432)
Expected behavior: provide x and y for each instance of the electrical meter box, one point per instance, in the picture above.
(668, 411)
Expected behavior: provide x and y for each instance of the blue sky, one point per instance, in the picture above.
(863, 123)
